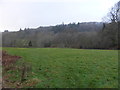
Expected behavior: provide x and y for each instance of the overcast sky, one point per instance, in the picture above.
(16, 14)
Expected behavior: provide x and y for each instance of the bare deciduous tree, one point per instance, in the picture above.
(114, 14)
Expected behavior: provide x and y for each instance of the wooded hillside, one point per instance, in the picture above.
(90, 35)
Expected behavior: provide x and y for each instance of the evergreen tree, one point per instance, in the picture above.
(30, 44)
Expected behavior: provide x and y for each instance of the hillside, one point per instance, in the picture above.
(89, 35)
(51, 36)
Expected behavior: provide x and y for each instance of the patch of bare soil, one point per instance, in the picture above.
(8, 59)
(9, 64)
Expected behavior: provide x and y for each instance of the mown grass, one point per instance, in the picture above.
(70, 68)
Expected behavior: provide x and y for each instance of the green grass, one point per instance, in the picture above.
(71, 68)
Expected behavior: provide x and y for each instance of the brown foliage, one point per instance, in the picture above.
(8, 62)
(8, 59)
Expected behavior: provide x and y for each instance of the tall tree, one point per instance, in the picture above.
(114, 14)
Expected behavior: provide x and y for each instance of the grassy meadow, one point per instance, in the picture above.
(67, 68)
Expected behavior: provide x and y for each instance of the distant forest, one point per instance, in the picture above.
(87, 35)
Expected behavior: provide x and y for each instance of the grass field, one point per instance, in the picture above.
(69, 68)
